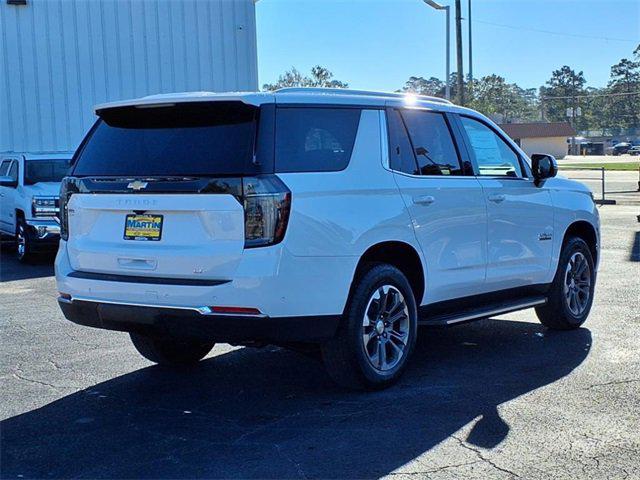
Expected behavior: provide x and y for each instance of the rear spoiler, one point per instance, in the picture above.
(165, 100)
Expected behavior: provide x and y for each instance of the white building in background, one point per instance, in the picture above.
(541, 137)
(59, 58)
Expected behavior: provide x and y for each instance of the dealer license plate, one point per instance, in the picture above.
(143, 227)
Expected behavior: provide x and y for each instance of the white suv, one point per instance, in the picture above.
(336, 218)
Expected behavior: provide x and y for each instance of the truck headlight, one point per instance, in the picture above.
(44, 206)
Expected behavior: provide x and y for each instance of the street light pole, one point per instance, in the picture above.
(437, 6)
(447, 87)
(470, 52)
(460, 76)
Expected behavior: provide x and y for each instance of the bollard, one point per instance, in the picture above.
(602, 170)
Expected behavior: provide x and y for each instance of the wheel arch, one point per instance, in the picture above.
(18, 215)
(587, 232)
(401, 255)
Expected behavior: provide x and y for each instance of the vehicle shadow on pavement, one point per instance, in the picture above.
(274, 414)
(11, 269)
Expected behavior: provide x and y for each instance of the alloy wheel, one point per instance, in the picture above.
(577, 284)
(385, 328)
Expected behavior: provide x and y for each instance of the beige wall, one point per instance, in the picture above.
(556, 146)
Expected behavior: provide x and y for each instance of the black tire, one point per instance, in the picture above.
(170, 351)
(557, 314)
(24, 242)
(345, 358)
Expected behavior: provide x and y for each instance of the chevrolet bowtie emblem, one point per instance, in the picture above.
(137, 185)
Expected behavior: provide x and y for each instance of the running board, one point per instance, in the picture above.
(482, 312)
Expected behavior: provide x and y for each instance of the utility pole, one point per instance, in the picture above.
(470, 52)
(460, 75)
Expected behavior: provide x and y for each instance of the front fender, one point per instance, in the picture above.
(572, 203)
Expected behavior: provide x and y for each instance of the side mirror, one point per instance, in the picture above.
(7, 181)
(543, 166)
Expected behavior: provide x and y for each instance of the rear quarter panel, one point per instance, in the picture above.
(342, 214)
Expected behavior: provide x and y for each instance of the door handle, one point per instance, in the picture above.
(497, 197)
(424, 199)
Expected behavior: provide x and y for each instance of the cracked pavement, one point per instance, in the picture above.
(496, 399)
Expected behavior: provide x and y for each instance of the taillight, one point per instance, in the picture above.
(267, 204)
(67, 188)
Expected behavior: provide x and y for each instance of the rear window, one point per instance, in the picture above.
(315, 139)
(197, 139)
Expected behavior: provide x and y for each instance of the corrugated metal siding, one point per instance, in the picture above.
(62, 57)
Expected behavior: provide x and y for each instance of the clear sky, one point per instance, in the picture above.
(378, 44)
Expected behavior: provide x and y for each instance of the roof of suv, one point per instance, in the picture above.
(289, 96)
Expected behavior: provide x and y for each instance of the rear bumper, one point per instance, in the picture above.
(269, 279)
(198, 322)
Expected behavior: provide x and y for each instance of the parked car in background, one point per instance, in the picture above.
(635, 150)
(621, 148)
(335, 218)
(29, 191)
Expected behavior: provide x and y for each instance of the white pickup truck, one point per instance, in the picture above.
(29, 192)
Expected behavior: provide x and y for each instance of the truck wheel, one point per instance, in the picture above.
(378, 331)
(170, 351)
(571, 293)
(24, 243)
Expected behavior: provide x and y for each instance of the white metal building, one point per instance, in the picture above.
(59, 58)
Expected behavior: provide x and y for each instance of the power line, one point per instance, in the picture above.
(550, 32)
(591, 95)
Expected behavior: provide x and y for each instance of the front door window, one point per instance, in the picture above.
(493, 155)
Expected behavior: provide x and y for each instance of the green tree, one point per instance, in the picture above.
(624, 106)
(596, 115)
(320, 77)
(504, 102)
(421, 86)
(562, 92)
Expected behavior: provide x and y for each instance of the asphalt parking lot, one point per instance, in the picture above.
(499, 398)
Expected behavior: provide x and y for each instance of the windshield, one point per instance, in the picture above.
(45, 170)
(197, 139)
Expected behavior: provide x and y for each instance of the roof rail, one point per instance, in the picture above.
(347, 91)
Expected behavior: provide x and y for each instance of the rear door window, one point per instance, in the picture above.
(315, 139)
(433, 146)
(191, 139)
